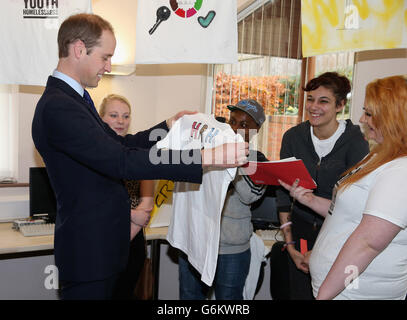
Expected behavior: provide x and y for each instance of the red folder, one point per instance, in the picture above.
(287, 170)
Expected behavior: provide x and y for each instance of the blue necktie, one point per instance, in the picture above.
(92, 107)
(89, 100)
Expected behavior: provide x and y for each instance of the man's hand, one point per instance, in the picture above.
(180, 114)
(228, 155)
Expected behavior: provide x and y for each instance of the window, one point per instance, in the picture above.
(268, 70)
(8, 131)
(273, 82)
(272, 71)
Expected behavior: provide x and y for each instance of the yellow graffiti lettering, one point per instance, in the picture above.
(315, 13)
(338, 25)
(326, 9)
(363, 8)
(386, 11)
(163, 194)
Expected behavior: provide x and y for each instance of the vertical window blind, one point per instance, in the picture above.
(271, 70)
(268, 70)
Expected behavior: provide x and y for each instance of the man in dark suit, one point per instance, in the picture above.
(86, 162)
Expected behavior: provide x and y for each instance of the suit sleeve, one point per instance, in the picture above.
(72, 131)
(142, 139)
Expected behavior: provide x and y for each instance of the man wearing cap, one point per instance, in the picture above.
(246, 118)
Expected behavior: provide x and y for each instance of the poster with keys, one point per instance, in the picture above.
(186, 31)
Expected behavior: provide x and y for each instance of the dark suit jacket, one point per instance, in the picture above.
(86, 162)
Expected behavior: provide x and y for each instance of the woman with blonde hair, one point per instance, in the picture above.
(115, 110)
(361, 250)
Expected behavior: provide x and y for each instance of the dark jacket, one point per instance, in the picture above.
(86, 162)
(350, 148)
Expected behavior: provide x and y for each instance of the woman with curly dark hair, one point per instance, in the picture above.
(328, 148)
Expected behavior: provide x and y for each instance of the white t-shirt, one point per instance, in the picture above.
(323, 147)
(382, 193)
(197, 208)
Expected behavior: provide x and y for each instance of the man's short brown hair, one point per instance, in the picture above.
(82, 26)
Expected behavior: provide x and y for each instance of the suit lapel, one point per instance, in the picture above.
(94, 113)
(55, 82)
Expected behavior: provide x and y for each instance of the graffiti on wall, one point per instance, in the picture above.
(352, 25)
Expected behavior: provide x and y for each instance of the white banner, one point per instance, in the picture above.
(186, 31)
(28, 33)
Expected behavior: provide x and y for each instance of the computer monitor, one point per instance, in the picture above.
(264, 211)
(42, 197)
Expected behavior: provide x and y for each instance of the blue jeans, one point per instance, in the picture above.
(230, 278)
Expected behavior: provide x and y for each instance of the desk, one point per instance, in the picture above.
(161, 234)
(22, 264)
(155, 235)
(12, 241)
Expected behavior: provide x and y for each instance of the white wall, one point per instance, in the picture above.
(156, 92)
(28, 156)
(370, 65)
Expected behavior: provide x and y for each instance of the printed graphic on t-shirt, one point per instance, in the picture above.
(196, 208)
(198, 129)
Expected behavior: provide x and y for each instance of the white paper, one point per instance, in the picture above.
(208, 35)
(28, 34)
